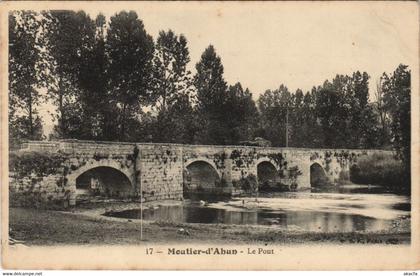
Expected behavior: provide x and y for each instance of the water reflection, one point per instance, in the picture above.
(353, 189)
(293, 220)
(327, 211)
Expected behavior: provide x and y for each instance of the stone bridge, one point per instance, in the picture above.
(169, 171)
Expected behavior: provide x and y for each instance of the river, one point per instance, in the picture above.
(348, 209)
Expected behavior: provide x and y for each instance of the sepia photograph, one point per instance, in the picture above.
(238, 127)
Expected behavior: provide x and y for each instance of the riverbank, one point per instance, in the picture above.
(86, 226)
(383, 169)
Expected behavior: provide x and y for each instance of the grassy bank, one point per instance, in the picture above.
(46, 227)
(381, 169)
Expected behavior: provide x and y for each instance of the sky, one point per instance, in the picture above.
(263, 45)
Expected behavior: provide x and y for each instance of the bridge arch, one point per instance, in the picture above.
(200, 175)
(267, 174)
(104, 177)
(266, 159)
(318, 176)
(205, 160)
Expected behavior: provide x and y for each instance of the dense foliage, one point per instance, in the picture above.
(25, 76)
(109, 80)
(172, 90)
(396, 99)
(36, 164)
(380, 169)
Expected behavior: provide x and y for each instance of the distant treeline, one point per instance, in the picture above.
(110, 80)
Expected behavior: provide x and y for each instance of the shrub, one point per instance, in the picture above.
(24, 164)
(248, 183)
(380, 169)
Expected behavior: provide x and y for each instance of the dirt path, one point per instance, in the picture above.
(45, 227)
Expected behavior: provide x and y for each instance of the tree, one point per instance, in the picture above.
(97, 106)
(171, 77)
(334, 103)
(296, 120)
(397, 92)
(370, 128)
(312, 134)
(70, 40)
(211, 96)
(130, 53)
(24, 76)
(380, 108)
(357, 99)
(329, 108)
(240, 113)
(273, 106)
(343, 109)
(184, 121)
(172, 86)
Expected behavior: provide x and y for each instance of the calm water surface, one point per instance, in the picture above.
(326, 212)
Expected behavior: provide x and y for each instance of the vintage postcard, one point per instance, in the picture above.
(210, 135)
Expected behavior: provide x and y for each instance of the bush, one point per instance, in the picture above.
(380, 169)
(248, 183)
(25, 163)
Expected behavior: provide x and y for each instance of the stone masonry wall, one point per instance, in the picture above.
(160, 169)
(33, 190)
(156, 171)
(245, 162)
(86, 156)
(336, 163)
(78, 157)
